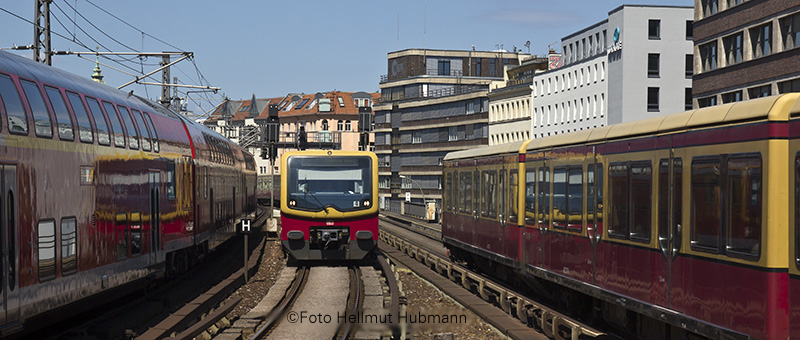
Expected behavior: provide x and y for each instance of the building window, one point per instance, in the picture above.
(478, 67)
(492, 63)
(761, 40)
(687, 98)
(689, 29)
(452, 134)
(760, 91)
(347, 126)
(732, 3)
(708, 56)
(731, 97)
(790, 31)
(707, 101)
(710, 7)
(654, 29)
(341, 101)
(652, 99)
(653, 62)
(689, 65)
(416, 137)
(324, 125)
(733, 48)
(340, 126)
(789, 86)
(444, 67)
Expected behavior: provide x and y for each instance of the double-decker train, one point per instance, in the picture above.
(328, 209)
(101, 189)
(680, 226)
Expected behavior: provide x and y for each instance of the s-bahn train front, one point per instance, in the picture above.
(328, 209)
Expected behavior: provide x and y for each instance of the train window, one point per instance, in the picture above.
(591, 204)
(133, 136)
(136, 233)
(575, 199)
(544, 197)
(560, 212)
(116, 124)
(503, 192)
(640, 200)
(145, 133)
(69, 250)
(121, 232)
(102, 125)
(47, 249)
(744, 205)
(15, 112)
(677, 202)
(618, 175)
(63, 119)
(530, 195)
(448, 190)
(85, 133)
(149, 121)
(41, 117)
(706, 198)
(205, 182)
(514, 195)
(489, 194)
(797, 210)
(171, 180)
(465, 188)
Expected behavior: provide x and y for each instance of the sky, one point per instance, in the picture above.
(271, 48)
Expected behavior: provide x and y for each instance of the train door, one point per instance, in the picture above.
(155, 214)
(476, 206)
(594, 212)
(9, 279)
(670, 177)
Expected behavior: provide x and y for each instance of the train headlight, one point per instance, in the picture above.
(366, 203)
(292, 203)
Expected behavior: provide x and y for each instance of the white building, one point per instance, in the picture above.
(630, 66)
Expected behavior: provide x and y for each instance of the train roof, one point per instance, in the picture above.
(488, 151)
(774, 108)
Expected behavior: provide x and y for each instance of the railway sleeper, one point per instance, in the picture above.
(558, 327)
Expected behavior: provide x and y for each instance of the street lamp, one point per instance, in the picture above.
(424, 200)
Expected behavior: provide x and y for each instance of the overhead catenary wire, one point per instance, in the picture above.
(122, 61)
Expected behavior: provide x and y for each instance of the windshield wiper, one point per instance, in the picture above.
(315, 197)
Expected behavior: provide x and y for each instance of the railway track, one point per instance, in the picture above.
(322, 301)
(426, 256)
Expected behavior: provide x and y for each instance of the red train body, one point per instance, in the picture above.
(666, 227)
(101, 189)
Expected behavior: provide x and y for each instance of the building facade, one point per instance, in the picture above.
(432, 102)
(745, 49)
(630, 66)
(329, 119)
(510, 103)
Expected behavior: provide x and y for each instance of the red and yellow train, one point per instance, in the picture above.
(681, 225)
(101, 189)
(328, 209)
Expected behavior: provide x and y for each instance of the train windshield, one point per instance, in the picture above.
(317, 183)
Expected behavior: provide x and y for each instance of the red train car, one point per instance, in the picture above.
(663, 228)
(102, 189)
(328, 209)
